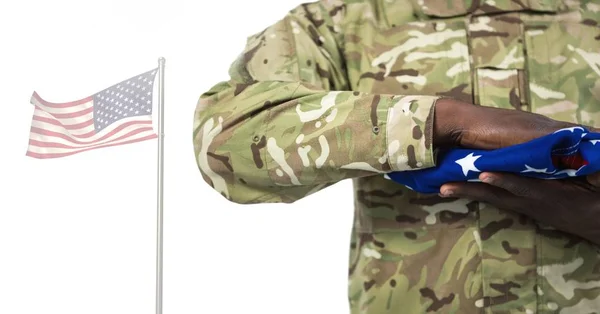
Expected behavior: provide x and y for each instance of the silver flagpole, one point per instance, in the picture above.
(159, 220)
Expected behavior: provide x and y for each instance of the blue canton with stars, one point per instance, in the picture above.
(129, 98)
(570, 152)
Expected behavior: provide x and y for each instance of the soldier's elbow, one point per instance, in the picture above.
(240, 186)
(243, 193)
(225, 167)
(242, 189)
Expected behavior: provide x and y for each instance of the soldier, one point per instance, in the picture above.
(355, 89)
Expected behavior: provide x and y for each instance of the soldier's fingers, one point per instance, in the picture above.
(594, 179)
(520, 186)
(480, 192)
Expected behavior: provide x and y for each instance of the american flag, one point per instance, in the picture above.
(569, 152)
(120, 114)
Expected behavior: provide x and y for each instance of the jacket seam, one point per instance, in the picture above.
(387, 137)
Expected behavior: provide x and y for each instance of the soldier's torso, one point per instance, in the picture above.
(415, 253)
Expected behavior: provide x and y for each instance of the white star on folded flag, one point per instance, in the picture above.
(468, 163)
(571, 129)
(531, 169)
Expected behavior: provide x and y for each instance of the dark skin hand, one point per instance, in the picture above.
(466, 125)
(570, 205)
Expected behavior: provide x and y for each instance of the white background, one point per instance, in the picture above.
(77, 234)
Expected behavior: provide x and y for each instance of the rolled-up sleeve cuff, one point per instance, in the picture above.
(409, 132)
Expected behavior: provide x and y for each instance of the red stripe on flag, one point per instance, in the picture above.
(67, 138)
(61, 105)
(57, 155)
(66, 126)
(70, 115)
(39, 131)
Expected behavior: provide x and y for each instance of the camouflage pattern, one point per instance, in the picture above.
(346, 90)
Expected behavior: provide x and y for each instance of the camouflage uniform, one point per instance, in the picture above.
(346, 89)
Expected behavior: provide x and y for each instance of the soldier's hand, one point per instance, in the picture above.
(570, 205)
(594, 179)
(462, 124)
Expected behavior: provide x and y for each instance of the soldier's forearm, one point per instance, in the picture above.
(269, 137)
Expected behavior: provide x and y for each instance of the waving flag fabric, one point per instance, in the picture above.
(120, 114)
(566, 153)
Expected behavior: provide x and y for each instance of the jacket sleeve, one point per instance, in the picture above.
(286, 125)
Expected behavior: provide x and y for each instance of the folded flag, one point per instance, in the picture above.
(569, 152)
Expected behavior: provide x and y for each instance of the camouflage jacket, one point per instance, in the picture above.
(345, 89)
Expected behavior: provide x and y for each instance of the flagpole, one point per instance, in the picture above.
(160, 179)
